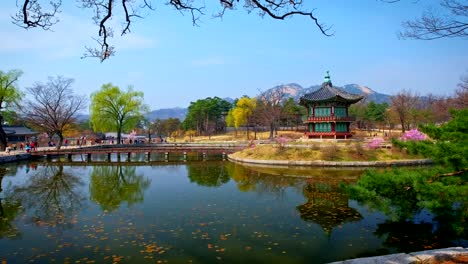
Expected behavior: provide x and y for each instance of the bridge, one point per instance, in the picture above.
(128, 149)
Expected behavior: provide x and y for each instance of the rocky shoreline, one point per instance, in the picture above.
(445, 255)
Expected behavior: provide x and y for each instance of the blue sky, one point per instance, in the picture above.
(175, 63)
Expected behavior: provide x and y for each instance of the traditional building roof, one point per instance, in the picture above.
(330, 93)
(19, 130)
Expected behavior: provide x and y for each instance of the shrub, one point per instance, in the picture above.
(413, 135)
(282, 141)
(331, 152)
(375, 143)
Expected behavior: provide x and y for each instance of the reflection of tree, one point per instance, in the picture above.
(404, 195)
(113, 185)
(208, 174)
(50, 196)
(9, 209)
(327, 203)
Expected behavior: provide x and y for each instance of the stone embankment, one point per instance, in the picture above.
(323, 163)
(445, 255)
(14, 157)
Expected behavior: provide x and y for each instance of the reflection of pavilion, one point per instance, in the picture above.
(327, 205)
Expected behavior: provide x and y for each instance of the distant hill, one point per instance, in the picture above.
(295, 91)
(165, 113)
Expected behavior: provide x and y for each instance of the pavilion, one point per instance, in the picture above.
(327, 111)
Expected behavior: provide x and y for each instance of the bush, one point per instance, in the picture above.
(331, 152)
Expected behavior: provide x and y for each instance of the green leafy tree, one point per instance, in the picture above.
(449, 146)
(115, 110)
(10, 96)
(207, 115)
(242, 113)
(376, 112)
(171, 125)
(293, 113)
(112, 185)
(443, 190)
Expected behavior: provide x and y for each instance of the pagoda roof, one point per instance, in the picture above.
(327, 92)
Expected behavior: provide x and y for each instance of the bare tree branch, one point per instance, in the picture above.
(31, 14)
(431, 25)
(54, 107)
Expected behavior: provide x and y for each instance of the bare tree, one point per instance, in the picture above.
(451, 23)
(53, 107)
(403, 104)
(32, 14)
(461, 94)
(269, 109)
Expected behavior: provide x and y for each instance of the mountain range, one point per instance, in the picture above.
(293, 90)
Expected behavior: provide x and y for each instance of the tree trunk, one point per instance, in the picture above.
(119, 135)
(255, 132)
(272, 131)
(59, 145)
(3, 137)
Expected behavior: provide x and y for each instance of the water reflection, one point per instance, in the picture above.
(205, 174)
(422, 213)
(9, 210)
(327, 203)
(110, 186)
(50, 196)
(213, 211)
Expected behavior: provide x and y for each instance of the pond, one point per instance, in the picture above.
(194, 212)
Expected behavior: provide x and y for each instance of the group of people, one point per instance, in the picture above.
(29, 146)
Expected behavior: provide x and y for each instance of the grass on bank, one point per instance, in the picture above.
(324, 151)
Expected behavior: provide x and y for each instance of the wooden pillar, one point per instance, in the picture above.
(204, 155)
(118, 156)
(109, 156)
(223, 155)
(185, 156)
(69, 157)
(89, 156)
(166, 156)
(129, 154)
(148, 156)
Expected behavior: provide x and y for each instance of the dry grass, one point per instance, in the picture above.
(328, 151)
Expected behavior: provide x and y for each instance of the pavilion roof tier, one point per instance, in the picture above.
(328, 93)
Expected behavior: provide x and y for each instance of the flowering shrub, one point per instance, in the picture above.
(375, 143)
(282, 141)
(413, 135)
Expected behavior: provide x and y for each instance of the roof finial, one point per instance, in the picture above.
(327, 77)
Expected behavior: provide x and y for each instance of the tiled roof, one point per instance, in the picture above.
(329, 93)
(18, 130)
